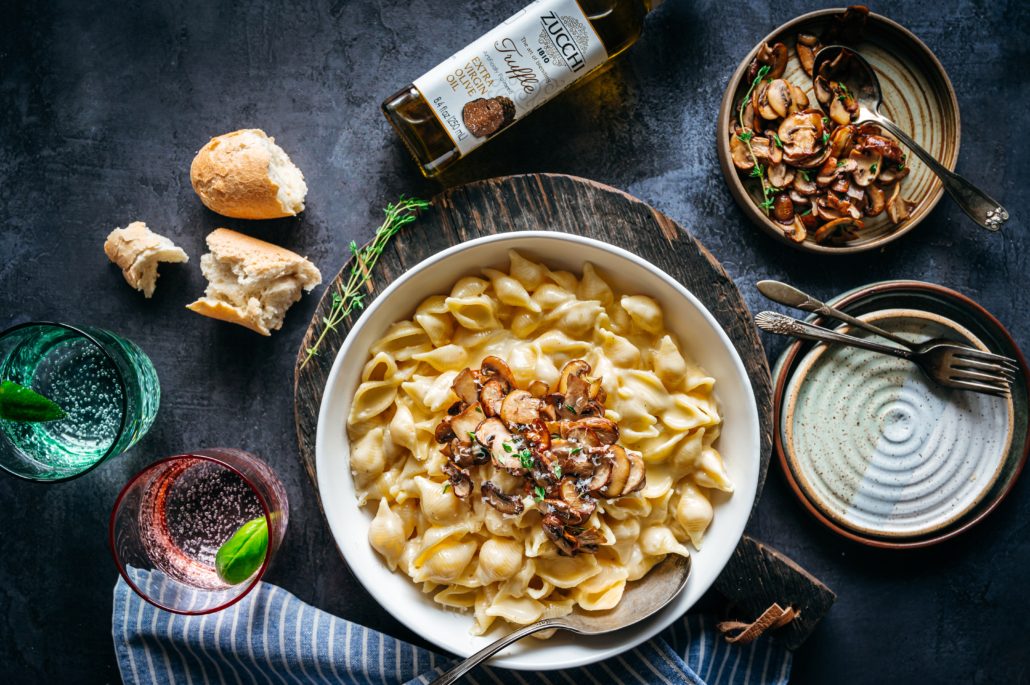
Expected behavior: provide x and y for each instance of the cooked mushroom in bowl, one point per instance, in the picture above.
(795, 154)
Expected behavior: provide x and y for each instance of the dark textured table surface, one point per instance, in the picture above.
(102, 106)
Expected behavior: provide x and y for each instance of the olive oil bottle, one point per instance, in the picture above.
(507, 73)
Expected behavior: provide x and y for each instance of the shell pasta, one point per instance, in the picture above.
(494, 555)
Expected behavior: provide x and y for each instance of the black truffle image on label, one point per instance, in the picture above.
(485, 117)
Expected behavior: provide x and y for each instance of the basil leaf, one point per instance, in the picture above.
(18, 403)
(241, 556)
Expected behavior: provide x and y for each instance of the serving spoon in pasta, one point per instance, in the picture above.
(642, 599)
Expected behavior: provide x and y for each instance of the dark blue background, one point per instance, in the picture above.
(103, 105)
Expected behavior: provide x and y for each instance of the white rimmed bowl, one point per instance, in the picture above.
(699, 334)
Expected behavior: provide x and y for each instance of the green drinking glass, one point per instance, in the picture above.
(105, 384)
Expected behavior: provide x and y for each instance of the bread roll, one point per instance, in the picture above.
(250, 282)
(138, 250)
(245, 175)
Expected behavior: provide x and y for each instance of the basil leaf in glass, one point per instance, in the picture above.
(241, 556)
(18, 403)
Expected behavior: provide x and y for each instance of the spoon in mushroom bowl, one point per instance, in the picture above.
(642, 599)
(973, 201)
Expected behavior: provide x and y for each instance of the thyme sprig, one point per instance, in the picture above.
(757, 171)
(351, 296)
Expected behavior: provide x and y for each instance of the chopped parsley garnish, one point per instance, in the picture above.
(872, 167)
(472, 434)
(804, 174)
(840, 163)
(557, 470)
(507, 447)
(826, 138)
(538, 493)
(526, 457)
(570, 407)
(479, 409)
(575, 450)
(446, 487)
(826, 121)
(806, 212)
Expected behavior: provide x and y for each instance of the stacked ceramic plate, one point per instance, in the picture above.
(878, 452)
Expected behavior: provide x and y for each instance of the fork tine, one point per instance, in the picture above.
(961, 374)
(979, 387)
(979, 355)
(982, 366)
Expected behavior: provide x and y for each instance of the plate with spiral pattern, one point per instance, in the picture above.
(877, 451)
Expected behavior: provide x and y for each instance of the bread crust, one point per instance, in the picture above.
(230, 175)
(226, 312)
(137, 251)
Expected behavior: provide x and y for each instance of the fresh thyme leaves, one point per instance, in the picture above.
(446, 487)
(570, 407)
(472, 434)
(804, 174)
(776, 139)
(351, 296)
(575, 450)
(539, 493)
(767, 204)
(556, 471)
(840, 163)
(872, 167)
(507, 447)
(526, 458)
(806, 212)
(746, 135)
(826, 137)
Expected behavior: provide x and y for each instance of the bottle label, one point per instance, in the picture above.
(512, 70)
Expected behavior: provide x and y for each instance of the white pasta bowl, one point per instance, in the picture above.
(699, 335)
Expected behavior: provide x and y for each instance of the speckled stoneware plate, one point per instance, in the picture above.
(879, 453)
(882, 449)
(917, 96)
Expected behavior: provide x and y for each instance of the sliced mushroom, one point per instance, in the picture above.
(797, 231)
(493, 435)
(765, 150)
(898, 209)
(444, 431)
(502, 502)
(495, 367)
(597, 391)
(538, 389)
(536, 436)
(804, 185)
(798, 99)
(801, 134)
(565, 541)
(466, 387)
(892, 174)
(841, 185)
(621, 467)
(602, 475)
(823, 92)
(867, 166)
(573, 508)
(460, 480)
(827, 172)
(839, 112)
(739, 152)
(779, 97)
(877, 201)
(856, 196)
(814, 161)
(637, 473)
(783, 208)
(881, 145)
(520, 407)
(806, 46)
(845, 227)
(576, 367)
(491, 396)
(589, 540)
(781, 175)
(773, 56)
(461, 453)
(605, 430)
(841, 140)
(748, 116)
(465, 423)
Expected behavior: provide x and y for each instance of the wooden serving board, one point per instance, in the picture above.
(575, 205)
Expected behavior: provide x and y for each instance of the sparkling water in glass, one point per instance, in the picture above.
(171, 518)
(106, 384)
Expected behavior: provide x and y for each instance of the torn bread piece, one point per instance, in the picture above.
(245, 175)
(250, 282)
(138, 250)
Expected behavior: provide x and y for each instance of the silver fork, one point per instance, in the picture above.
(946, 363)
(790, 296)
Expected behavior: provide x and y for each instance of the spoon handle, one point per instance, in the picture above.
(482, 655)
(781, 324)
(790, 296)
(973, 201)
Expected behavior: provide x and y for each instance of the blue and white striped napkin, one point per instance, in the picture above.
(273, 637)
